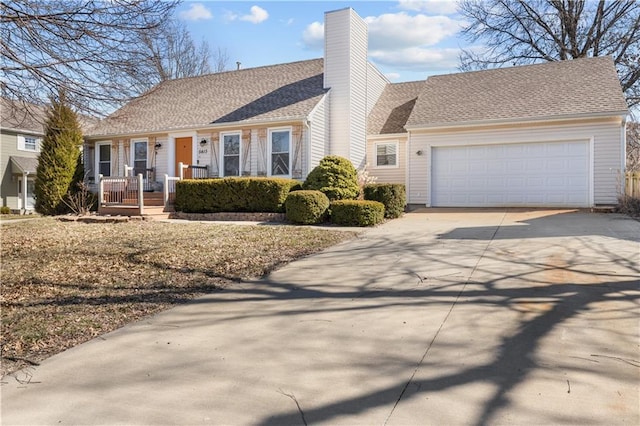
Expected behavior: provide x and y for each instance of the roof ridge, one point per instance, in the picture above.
(520, 67)
(239, 71)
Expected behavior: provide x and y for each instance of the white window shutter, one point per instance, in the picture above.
(21, 146)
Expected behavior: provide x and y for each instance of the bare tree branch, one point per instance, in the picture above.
(515, 32)
(87, 48)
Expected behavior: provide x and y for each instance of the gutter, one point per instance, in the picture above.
(233, 124)
(555, 118)
(22, 131)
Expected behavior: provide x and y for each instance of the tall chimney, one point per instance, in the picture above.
(345, 74)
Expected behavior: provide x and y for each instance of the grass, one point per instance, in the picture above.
(8, 217)
(64, 283)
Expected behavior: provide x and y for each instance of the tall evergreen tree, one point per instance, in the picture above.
(58, 157)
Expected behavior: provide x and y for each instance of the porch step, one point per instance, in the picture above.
(150, 199)
(118, 211)
(155, 213)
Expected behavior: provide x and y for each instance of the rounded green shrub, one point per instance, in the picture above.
(357, 212)
(5, 210)
(392, 195)
(336, 177)
(306, 207)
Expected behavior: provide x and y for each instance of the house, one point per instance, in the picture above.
(540, 135)
(21, 133)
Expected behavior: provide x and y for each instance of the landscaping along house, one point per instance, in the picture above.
(544, 135)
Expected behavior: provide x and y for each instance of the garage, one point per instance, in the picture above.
(541, 174)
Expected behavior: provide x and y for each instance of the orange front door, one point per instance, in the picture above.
(184, 155)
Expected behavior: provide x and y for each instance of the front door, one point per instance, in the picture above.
(184, 154)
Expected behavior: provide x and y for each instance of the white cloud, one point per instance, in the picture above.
(230, 16)
(400, 30)
(403, 42)
(445, 7)
(418, 58)
(394, 31)
(313, 36)
(256, 16)
(196, 12)
(392, 76)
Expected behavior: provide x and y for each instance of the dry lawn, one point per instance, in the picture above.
(64, 283)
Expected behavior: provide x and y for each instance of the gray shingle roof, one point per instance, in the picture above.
(23, 164)
(22, 116)
(567, 88)
(284, 91)
(393, 108)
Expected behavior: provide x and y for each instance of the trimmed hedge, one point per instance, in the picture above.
(336, 177)
(306, 207)
(357, 212)
(233, 194)
(392, 195)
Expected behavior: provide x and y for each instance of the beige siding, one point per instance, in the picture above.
(387, 174)
(607, 163)
(159, 158)
(9, 187)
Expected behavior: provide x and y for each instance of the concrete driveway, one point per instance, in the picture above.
(441, 317)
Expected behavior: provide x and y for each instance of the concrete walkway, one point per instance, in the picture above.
(443, 317)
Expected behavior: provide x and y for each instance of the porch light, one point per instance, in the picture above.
(158, 145)
(203, 142)
(419, 152)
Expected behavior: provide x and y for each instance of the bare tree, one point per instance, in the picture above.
(172, 53)
(87, 48)
(220, 60)
(518, 32)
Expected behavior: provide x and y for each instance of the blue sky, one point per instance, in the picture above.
(408, 40)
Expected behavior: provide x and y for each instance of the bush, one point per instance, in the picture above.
(629, 205)
(5, 210)
(357, 212)
(392, 195)
(233, 194)
(306, 207)
(336, 177)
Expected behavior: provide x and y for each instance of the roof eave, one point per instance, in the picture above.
(16, 130)
(204, 127)
(555, 118)
(375, 136)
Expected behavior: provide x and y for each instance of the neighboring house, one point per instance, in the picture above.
(540, 135)
(21, 133)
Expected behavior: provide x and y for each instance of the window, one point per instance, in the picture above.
(139, 157)
(28, 143)
(386, 154)
(231, 154)
(280, 147)
(104, 159)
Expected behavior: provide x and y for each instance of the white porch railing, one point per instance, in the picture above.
(121, 191)
(170, 189)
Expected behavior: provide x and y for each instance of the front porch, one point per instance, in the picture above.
(141, 195)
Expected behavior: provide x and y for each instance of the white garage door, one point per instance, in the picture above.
(531, 174)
